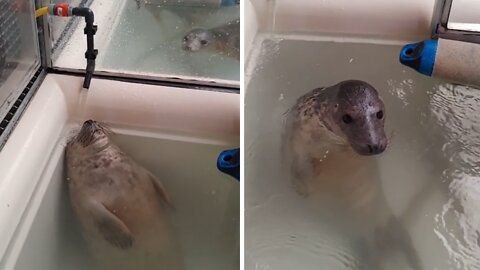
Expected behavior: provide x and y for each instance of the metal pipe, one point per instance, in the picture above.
(90, 30)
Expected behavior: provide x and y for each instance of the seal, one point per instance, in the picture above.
(121, 206)
(224, 39)
(331, 136)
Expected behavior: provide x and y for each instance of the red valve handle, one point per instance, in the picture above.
(61, 10)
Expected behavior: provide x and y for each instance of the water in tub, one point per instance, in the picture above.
(428, 175)
(206, 216)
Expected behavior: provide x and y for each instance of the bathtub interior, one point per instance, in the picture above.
(207, 203)
(182, 156)
(428, 173)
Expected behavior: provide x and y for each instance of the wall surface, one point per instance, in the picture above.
(408, 19)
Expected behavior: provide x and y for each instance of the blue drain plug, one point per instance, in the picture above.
(451, 60)
(228, 162)
(420, 56)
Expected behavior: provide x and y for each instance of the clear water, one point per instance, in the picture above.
(146, 40)
(149, 40)
(429, 174)
(206, 201)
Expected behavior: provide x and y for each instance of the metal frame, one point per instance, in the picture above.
(152, 80)
(17, 107)
(8, 123)
(440, 22)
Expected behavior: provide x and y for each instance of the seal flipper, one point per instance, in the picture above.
(369, 256)
(110, 226)
(160, 189)
(396, 234)
(405, 243)
(302, 173)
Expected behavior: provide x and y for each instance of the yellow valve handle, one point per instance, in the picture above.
(41, 11)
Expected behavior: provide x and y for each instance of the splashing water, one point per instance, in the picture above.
(456, 109)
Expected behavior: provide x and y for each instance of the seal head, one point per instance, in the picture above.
(197, 39)
(92, 138)
(358, 115)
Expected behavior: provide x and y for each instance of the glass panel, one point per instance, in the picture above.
(189, 39)
(59, 26)
(19, 54)
(464, 15)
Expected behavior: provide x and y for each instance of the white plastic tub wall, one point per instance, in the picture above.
(393, 19)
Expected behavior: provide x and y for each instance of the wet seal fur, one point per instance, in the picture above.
(224, 39)
(122, 207)
(330, 134)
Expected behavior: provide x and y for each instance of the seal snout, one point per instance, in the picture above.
(90, 132)
(89, 122)
(196, 39)
(374, 149)
(89, 127)
(368, 142)
(370, 149)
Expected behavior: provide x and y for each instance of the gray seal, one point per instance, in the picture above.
(331, 135)
(346, 118)
(122, 207)
(224, 39)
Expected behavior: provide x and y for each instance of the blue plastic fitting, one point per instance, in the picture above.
(230, 3)
(228, 162)
(420, 56)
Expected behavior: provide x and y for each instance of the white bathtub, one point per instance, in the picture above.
(174, 132)
(301, 45)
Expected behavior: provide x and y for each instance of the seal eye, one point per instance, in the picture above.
(380, 114)
(347, 119)
(203, 42)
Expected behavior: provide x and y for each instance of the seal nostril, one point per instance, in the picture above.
(376, 148)
(347, 119)
(382, 147)
(370, 148)
(380, 115)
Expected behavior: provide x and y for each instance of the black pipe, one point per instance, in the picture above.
(90, 30)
